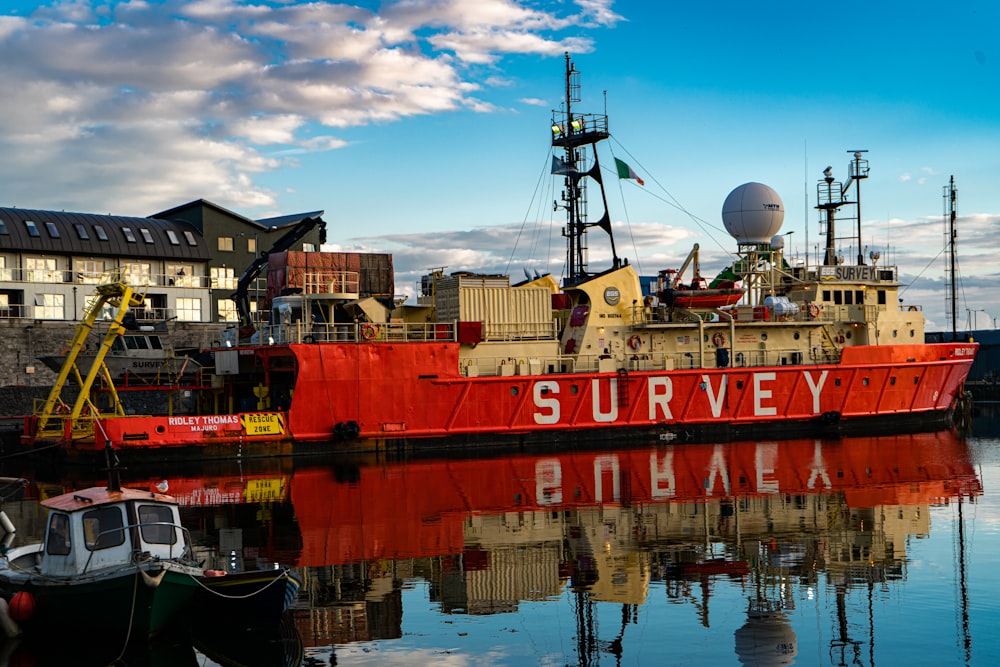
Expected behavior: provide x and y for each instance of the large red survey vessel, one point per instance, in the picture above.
(340, 364)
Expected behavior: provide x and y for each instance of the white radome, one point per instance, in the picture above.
(753, 213)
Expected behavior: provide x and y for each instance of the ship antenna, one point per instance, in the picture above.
(573, 132)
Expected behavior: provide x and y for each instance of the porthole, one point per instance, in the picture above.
(864, 382)
(574, 389)
(892, 380)
(739, 384)
(513, 391)
(797, 335)
(836, 382)
(894, 333)
(763, 336)
(848, 335)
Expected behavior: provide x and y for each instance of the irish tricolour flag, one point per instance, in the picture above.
(625, 171)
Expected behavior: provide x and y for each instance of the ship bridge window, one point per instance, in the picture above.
(848, 297)
(103, 528)
(154, 343)
(881, 297)
(157, 524)
(117, 345)
(859, 297)
(838, 297)
(136, 343)
(826, 295)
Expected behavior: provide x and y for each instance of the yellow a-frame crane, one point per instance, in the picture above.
(57, 420)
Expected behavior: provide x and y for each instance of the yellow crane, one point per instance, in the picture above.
(62, 419)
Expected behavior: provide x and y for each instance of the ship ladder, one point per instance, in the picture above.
(829, 349)
(623, 398)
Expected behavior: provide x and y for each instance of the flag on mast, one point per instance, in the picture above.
(625, 171)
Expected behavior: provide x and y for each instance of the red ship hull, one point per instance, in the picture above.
(380, 391)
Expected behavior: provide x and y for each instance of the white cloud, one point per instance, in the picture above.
(193, 95)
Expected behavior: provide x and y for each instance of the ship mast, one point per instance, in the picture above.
(831, 195)
(950, 195)
(573, 132)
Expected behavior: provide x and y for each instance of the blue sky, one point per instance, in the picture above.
(421, 126)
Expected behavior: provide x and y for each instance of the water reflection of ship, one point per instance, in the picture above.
(489, 534)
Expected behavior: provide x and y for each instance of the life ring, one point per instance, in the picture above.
(814, 310)
(369, 331)
(635, 342)
(719, 340)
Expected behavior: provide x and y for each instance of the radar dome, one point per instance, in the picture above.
(753, 213)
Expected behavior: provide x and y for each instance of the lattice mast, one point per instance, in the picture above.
(951, 240)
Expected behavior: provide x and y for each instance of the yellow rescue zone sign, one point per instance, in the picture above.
(262, 423)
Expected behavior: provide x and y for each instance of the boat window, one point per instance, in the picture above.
(57, 542)
(848, 297)
(859, 297)
(881, 297)
(103, 528)
(141, 343)
(838, 297)
(826, 295)
(154, 343)
(130, 342)
(117, 345)
(156, 523)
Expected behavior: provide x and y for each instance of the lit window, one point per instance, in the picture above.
(308, 247)
(252, 246)
(129, 236)
(89, 271)
(225, 244)
(190, 238)
(49, 307)
(223, 277)
(32, 228)
(101, 234)
(181, 275)
(138, 274)
(52, 229)
(146, 236)
(227, 310)
(81, 231)
(172, 235)
(189, 310)
(42, 270)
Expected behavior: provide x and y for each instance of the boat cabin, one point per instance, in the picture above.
(95, 529)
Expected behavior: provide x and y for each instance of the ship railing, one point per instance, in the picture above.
(331, 281)
(505, 331)
(300, 332)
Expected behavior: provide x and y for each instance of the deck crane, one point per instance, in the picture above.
(242, 297)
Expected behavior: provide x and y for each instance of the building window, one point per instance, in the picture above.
(52, 229)
(3, 226)
(225, 244)
(138, 274)
(190, 238)
(129, 236)
(223, 277)
(90, 271)
(181, 275)
(308, 247)
(189, 310)
(252, 245)
(42, 270)
(172, 235)
(32, 228)
(81, 231)
(101, 234)
(227, 310)
(146, 236)
(49, 307)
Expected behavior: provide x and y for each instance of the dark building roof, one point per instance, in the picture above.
(288, 220)
(58, 232)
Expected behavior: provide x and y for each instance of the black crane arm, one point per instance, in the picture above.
(286, 241)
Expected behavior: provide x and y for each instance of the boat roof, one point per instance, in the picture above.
(99, 495)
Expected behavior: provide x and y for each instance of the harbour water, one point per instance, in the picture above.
(862, 551)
